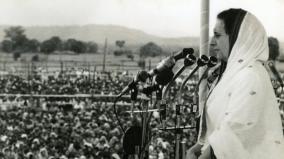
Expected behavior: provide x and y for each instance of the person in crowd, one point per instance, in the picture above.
(46, 129)
(240, 118)
(275, 76)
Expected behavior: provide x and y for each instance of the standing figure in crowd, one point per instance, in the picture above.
(240, 118)
(275, 76)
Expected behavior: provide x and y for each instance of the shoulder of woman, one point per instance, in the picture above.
(256, 69)
(250, 77)
(249, 73)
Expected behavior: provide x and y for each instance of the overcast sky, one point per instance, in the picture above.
(167, 18)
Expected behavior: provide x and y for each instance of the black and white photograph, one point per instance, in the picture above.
(141, 79)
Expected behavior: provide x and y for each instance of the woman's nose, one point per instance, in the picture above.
(213, 42)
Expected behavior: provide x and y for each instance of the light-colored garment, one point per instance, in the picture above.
(241, 113)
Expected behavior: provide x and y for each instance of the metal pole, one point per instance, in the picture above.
(4, 66)
(89, 71)
(105, 51)
(204, 48)
(149, 64)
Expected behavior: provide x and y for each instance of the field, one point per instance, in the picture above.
(57, 62)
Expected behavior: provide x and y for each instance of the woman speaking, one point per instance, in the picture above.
(241, 118)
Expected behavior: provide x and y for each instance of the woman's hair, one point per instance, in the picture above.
(232, 19)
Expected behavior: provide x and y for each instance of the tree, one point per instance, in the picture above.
(35, 58)
(7, 46)
(51, 45)
(91, 47)
(47, 47)
(129, 54)
(79, 47)
(75, 46)
(150, 50)
(57, 42)
(119, 43)
(13, 33)
(17, 37)
(118, 53)
(32, 45)
(16, 55)
(142, 63)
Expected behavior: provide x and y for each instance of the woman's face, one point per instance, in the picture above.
(220, 41)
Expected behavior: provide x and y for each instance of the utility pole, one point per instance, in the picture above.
(203, 47)
(105, 51)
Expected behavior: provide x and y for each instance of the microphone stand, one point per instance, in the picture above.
(201, 62)
(188, 61)
(178, 119)
(141, 151)
(133, 96)
(211, 63)
(178, 130)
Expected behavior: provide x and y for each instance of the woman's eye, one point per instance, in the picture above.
(217, 35)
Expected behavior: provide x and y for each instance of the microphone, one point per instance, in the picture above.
(202, 61)
(168, 63)
(163, 71)
(211, 63)
(142, 76)
(184, 53)
(188, 61)
(148, 90)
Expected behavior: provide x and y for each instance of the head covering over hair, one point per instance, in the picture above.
(232, 19)
(242, 115)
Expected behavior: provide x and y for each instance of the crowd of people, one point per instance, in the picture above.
(73, 127)
(77, 127)
(63, 84)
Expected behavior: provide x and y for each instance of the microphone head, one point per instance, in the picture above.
(182, 54)
(212, 61)
(164, 77)
(188, 51)
(142, 76)
(150, 89)
(203, 60)
(189, 60)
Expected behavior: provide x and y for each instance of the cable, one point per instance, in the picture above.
(116, 115)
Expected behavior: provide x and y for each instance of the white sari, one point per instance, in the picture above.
(241, 113)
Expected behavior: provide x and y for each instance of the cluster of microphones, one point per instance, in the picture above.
(163, 73)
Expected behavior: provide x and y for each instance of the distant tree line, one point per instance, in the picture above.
(149, 49)
(17, 42)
